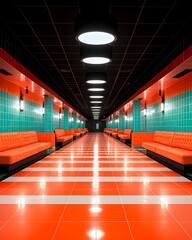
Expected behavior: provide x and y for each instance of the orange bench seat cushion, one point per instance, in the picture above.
(64, 138)
(16, 154)
(179, 155)
(151, 145)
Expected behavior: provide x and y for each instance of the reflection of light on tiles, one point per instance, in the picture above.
(42, 184)
(38, 111)
(164, 202)
(60, 178)
(72, 157)
(145, 181)
(95, 183)
(95, 168)
(95, 209)
(125, 164)
(95, 234)
(95, 200)
(59, 169)
(108, 147)
(21, 204)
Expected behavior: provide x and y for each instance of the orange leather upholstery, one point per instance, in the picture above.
(63, 135)
(182, 140)
(59, 133)
(114, 133)
(176, 146)
(163, 137)
(16, 146)
(126, 134)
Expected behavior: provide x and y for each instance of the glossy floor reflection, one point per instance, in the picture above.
(96, 188)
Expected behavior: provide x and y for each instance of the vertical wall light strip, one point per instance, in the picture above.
(162, 102)
(21, 102)
(60, 113)
(43, 109)
(145, 110)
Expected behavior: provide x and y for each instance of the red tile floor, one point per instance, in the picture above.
(96, 188)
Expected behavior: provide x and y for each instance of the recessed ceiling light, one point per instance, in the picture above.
(96, 89)
(96, 96)
(96, 38)
(96, 81)
(95, 107)
(96, 102)
(96, 54)
(97, 30)
(96, 60)
(96, 77)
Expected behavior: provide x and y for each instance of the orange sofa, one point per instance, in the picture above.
(125, 136)
(63, 136)
(171, 148)
(19, 149)
(108, 130)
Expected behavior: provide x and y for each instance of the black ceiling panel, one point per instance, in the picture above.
(148, 31)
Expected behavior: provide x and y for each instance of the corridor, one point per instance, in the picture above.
(96, 188)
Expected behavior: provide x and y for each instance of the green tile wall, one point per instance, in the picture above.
(11, 119)
(74, 123)
(129, 121)
(177, 116)
(48, 117)
(107, 124)
(57, 122)
(136, 116)
(121, 120)
(66, 119)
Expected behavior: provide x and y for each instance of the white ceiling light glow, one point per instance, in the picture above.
(95, 107)
(96, 89)
(96, 81)
(95, 54)
(96, 29)
(96, 102)
(96, 97)
(96, 38)
(96, 77)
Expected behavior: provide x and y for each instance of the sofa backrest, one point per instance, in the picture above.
(128, 132)
(163, 137)
(182, 140)
(28, 137)
(59, 133)
(10, 140)
(120, 131)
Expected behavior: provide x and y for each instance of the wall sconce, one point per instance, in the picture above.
(21, 102)
(60, 113)
(26, 90)
(43, 109)
(162, 102)
(145, 110)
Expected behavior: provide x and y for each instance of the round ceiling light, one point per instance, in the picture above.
(95, 54)
(96, 30)
(96, 89)
(96, 77)
(96, 97)
(96, 81)
(96, 102)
